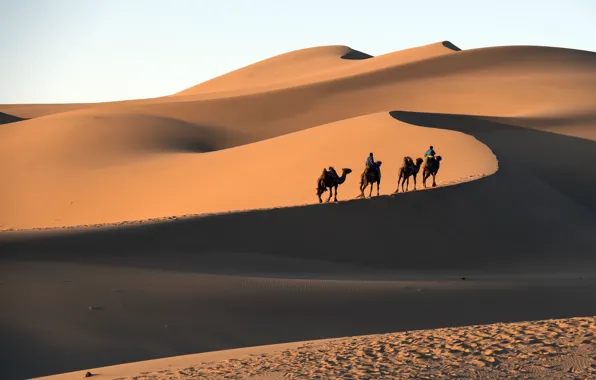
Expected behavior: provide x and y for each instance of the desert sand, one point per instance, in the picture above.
(188, 223)
(560, 348)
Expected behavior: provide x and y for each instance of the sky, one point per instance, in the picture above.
(75, 51)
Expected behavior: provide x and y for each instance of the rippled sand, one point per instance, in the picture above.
(550, 349)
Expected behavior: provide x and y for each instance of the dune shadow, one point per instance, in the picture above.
(450, 46)
(356, 55)
(536, 213)
(194, 146)
(7, 118)
(558, 160)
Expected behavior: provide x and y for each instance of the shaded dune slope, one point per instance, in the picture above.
(6, 118)
(480, 225)
(525, 219)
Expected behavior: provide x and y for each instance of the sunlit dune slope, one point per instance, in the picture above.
(313, 64)
(285, 67)
(153, 177)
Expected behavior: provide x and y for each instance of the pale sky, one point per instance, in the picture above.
(71, 51)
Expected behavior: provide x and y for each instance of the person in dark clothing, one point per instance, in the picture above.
(370, 163)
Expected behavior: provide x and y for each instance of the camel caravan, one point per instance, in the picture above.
(330, 180)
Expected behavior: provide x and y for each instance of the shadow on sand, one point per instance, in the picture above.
(7, 118)
(534, 214)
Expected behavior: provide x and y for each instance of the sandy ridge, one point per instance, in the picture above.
(166, 219)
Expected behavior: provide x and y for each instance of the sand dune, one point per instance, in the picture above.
(314, 64)
(459, 80)
(283, 68)
(130, 262)
(560, 348)
(148, 170)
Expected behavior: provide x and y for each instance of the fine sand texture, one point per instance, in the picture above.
(548, 349)
(189, 223)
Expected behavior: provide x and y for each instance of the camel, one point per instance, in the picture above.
(330, 179)
(431, 168)
(408, 169)
(369, 177)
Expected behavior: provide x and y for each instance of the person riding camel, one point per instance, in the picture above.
(371, 164)
(430, 153)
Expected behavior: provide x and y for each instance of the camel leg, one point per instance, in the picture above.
(424, 178)
(330, 194)
(415, 181)
(378, 184)
(407, 183)
(434, 183)
(371, 189)
(335, 198)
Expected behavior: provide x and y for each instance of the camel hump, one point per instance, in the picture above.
(408, 161)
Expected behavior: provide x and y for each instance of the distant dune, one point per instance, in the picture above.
(158, 227)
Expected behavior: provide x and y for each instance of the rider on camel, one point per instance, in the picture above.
(430, 153)
(371, 164)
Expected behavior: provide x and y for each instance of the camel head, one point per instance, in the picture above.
(346, 170)
(438, 158)
(378, 163)
(419, 161)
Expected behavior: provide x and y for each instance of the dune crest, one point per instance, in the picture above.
(314, 64)
(281, 68)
